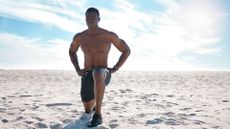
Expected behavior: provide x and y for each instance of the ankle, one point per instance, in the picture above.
(87, 112)
(98, 113)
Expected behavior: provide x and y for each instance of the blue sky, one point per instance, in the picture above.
(162, 34)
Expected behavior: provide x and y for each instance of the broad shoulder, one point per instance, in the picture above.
(77, 36)
(110, 34)
(104, 32)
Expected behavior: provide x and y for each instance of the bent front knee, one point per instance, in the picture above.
(99, 73)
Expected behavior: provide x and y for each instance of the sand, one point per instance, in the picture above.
(133, 100)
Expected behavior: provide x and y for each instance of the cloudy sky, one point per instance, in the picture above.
(162, 34)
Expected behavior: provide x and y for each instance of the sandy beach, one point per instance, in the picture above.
(33, 99)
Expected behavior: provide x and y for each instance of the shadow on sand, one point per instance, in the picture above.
(80, 124)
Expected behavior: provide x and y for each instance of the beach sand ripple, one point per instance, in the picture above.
(34, 99)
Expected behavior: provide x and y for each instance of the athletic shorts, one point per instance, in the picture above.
(87, 85)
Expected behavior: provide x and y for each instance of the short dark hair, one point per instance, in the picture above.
(92, 9)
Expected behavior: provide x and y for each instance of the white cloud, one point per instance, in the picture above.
(19, 53)
(200, 22)
(158, 39)
(62, 17)
(123, 5)
(169, 34)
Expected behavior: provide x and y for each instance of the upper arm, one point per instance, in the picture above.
(120, 44)
(75, 43)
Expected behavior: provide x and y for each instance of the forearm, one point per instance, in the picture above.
(122, 59)
(74, 60)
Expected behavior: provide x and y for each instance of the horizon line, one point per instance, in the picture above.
(123, 70)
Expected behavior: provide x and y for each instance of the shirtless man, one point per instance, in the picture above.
(95, 43)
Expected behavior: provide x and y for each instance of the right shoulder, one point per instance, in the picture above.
(78, 35)
(76, 39)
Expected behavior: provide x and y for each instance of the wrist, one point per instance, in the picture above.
(115, 68)
(77, 70)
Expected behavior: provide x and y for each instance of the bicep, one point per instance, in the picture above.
(120, 44)
(75, 44)
(124, 46)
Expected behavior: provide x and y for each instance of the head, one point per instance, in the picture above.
(92, 17)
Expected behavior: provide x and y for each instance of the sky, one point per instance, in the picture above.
(163, 35)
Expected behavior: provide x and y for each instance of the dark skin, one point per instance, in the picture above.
(95, 43)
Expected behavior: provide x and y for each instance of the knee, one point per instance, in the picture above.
(98, 73)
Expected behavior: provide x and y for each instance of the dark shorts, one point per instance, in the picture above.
(87, 85)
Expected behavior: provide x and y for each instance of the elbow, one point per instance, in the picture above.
(71, 52)
(128, 51)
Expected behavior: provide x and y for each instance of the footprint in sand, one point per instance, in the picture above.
(113, 121)
(3, 98)
(2, 109)
(28, 121)
(125, 90)
(25, 96)
(58, 104)
(112, 124)
(225, 101)
(19, 118)
(175, 119)
(38, 118)
(55, 125)
(185, 109)
(184, 116)
(35, 107)
(171, 104)
(125, 103)
(170, 96)
(154, 121)
(160, 106)
(5, 120)
(141, 115)
(116, 108)
(171, 122)
(40, 125)
(198, 122)
(170, 114)
(199, 110)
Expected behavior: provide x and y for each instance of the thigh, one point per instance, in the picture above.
(87, 87)
(102, 74)
(99, 73)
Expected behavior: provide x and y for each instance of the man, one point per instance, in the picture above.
(95, 43)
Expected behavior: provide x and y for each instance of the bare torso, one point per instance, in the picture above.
(95, 47)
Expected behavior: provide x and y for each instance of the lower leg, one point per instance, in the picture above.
(89, 105)
(99, 97)
(99, 88)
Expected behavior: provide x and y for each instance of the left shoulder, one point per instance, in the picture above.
(112, 36)
(107, 32)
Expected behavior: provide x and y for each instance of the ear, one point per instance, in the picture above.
(99, 19)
